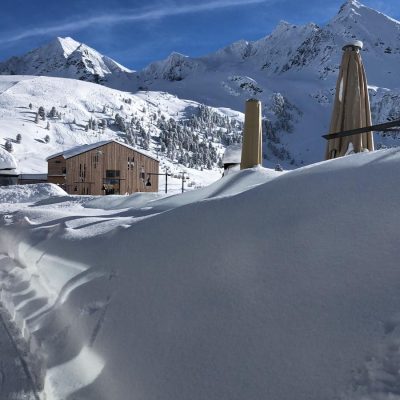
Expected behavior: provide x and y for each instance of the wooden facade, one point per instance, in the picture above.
(110, 168)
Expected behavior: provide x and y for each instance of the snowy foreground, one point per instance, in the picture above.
(264, 285)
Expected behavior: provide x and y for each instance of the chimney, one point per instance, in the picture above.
(252, 135)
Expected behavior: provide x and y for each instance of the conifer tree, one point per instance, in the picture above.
(8, 146)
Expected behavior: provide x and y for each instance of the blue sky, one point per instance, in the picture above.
(136, 33)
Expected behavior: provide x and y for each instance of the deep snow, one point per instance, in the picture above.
(264, 285)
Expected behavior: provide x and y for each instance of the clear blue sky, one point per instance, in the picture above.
(135, 32)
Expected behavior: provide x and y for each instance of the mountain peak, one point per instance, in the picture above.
(348, 8)
(66, 44)
(282, 27)
(176, 55)
(66, 57)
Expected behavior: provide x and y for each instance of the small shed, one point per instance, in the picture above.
(232, 158)
(8, 169)
(103, 168)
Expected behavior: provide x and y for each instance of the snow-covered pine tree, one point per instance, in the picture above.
(53, 112)
(42, 113)
(8, 146)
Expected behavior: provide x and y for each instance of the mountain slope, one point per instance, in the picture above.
(182, 133)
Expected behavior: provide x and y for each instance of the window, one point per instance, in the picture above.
(111, 183)
(131, 163)
(112, 173)
(95, 160)
(82, 171)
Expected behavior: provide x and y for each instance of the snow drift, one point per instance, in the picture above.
(284, 288)
(29, 193)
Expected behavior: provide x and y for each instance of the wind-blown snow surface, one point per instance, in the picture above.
(266, 285)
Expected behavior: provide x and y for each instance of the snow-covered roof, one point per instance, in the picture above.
(233, 154)
(87, 147)
(7, 161)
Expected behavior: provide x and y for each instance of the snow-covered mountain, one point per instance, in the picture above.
(293, 71)
(67, 58)
(290, 52)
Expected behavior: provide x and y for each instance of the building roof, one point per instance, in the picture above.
(87, 147)
(7, 161)
(233, 154)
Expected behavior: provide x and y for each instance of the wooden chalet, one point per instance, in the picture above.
(103, 168)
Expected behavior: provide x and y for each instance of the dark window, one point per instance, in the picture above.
(95, 160)
(131, 163)
(58, 162)
(64, 170)
(112, 173)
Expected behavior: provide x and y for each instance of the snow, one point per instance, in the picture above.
(263, 285)
(29, 193)
(65, 57)
(7, 161)
(233, 154)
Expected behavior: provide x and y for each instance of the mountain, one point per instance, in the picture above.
(293, 71)
(308, 52)
(67, 58)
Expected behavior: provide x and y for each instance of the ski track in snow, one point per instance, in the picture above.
(16, 380)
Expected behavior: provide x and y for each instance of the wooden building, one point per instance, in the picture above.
(102, 168)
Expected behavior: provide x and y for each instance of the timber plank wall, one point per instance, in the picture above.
(86, 173)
